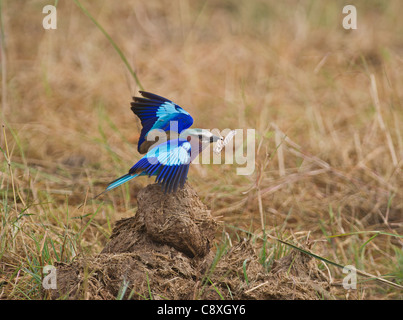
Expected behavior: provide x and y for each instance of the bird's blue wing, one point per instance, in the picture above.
(169, 162)
(156, 112)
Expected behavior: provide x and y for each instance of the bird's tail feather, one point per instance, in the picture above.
(117, 183)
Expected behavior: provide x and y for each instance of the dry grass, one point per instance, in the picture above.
(326, 104)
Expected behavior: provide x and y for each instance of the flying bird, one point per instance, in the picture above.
(168, 160)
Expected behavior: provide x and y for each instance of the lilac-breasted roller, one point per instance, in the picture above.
(169, 161)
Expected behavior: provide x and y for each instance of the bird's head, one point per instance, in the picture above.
(202, 135)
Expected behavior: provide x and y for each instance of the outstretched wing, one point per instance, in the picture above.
(156, 112)
(169, 162)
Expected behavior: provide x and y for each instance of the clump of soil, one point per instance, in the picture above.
(165, 252)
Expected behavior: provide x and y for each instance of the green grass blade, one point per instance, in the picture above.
(122, 56)
(244, 271)
(366, 232)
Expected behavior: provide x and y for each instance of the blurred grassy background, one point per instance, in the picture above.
(326, 104)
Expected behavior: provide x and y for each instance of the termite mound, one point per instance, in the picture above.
(166, 251)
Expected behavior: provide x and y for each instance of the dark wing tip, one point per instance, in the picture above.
(154, 96)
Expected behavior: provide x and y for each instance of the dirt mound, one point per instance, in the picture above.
(164, 252)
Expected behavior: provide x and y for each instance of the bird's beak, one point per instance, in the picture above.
(214, 138)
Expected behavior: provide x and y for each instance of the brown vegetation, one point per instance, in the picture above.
(326, 104)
